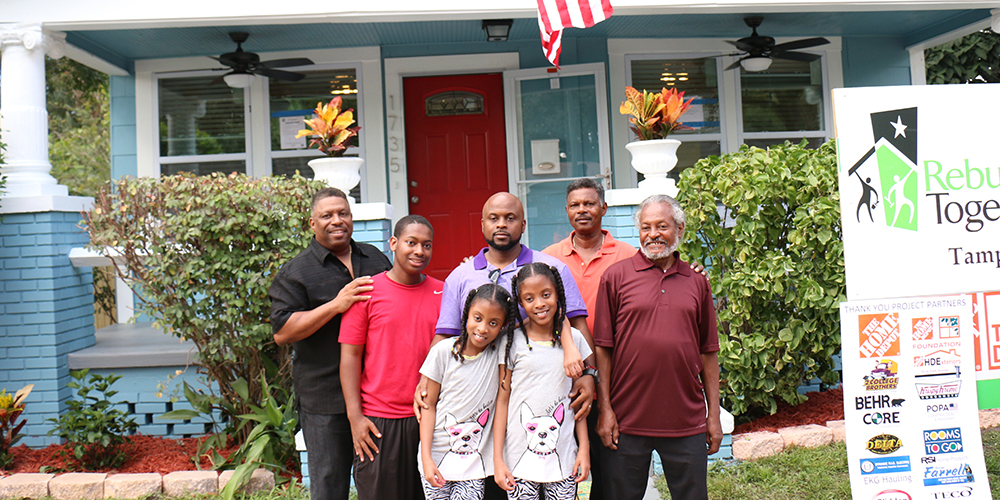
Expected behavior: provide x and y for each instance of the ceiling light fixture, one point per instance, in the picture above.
(497, 30)
(238, 80)
(755, 63)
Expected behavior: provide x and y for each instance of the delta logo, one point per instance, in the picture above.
(883, 377)
(936, 360)
(884, 444)
(948, 327)
(937, 475)
(940, 441)
(878, 335)
(923, 329)
(892, 495)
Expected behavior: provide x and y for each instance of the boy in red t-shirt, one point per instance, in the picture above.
(384, 341)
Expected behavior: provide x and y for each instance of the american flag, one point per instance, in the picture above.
(556, 15)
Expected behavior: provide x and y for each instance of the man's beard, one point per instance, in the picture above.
(671, 248)
(513, 242)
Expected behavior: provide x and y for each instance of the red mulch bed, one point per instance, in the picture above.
(820, 408)
(164, 455)
(151, 454)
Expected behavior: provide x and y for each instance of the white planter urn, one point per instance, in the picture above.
(654, 159)
(342, 173)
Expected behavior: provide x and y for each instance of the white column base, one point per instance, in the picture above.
(45, 203)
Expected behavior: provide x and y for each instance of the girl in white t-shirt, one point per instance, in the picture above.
(534, 446)
(456, 445)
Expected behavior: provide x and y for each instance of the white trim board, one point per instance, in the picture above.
(395, 129)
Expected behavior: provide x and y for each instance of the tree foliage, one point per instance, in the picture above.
(768, 223)
(77, 101)
(201, 253)
(970, 59)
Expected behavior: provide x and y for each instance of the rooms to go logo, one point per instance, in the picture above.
(939, 441)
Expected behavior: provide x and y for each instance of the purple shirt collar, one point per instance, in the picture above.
(525, 257)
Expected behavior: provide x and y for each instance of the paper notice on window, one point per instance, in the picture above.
(695, 115)
(289, 126)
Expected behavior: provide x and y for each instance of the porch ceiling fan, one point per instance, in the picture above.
(246, 64)
(757, 51)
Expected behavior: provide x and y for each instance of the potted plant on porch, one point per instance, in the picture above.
(330, 128)
(653, 117)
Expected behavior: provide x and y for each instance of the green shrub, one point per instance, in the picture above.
(201, 253)
(776, 267)
(11, 407)
(95, 430)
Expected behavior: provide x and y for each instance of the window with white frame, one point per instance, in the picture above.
(787, 101)
(292, 102)
(205, 126)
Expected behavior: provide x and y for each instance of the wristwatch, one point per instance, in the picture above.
(592, 371)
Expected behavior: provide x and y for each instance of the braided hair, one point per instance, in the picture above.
(539, 269)
(494, 294)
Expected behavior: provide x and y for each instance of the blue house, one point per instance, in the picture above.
(447, 118)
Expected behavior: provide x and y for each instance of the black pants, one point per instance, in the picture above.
(596, 445)
(331, 451)
(684, 459)
(393, 474)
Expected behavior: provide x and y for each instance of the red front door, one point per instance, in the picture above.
(456, 157)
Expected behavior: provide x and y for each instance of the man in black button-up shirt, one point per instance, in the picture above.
(308, 296)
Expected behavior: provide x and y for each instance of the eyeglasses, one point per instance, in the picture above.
(494, 276)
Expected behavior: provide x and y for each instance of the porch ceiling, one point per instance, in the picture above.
(124, 46)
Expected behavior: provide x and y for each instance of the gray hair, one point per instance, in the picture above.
(679, 218)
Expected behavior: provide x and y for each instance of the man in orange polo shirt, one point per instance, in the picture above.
(588, 251)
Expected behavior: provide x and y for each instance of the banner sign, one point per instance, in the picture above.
(910, 398)
(986, 327)
(919, 189)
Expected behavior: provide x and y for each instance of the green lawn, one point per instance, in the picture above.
(812, 473)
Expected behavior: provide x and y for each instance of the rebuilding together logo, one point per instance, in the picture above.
(895, 151)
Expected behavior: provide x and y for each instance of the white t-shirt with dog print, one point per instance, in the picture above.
(462, 446)
(540, 444)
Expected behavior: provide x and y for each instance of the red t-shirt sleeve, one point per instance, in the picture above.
(354, 324)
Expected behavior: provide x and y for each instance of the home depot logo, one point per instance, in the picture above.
(923, 329)
(895, 151)
(878, 334)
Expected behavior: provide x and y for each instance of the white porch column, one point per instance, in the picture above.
(24, 123)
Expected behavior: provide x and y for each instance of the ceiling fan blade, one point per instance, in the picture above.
(224, 60)
(285, 63)
(805, 43)
(220, 79)
(278, 74)
(739, 44)
(795, 56)
(734, 65)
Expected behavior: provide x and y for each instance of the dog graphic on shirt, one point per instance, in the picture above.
(542, 434)
(464, 439)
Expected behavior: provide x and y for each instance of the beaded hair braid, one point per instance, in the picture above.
(533, 269)
(490, 293)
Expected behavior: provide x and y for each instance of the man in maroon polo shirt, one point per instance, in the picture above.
(657, 352)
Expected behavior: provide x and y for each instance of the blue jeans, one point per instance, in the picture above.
(331, 453)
